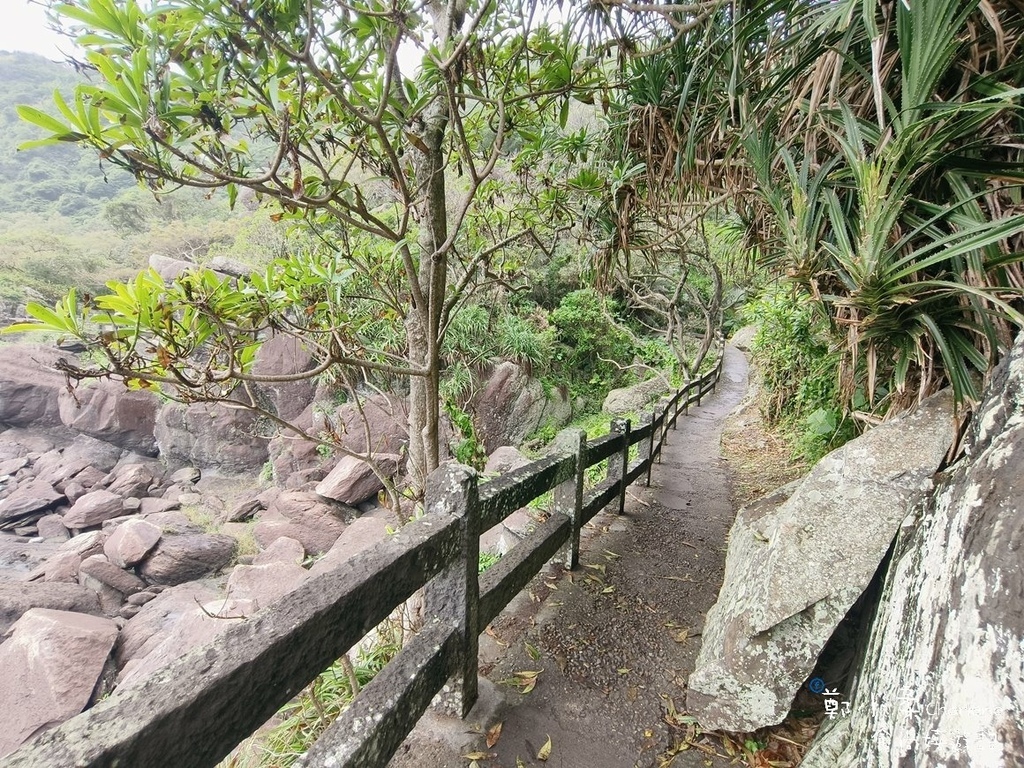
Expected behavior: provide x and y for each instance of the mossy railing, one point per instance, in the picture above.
(198, 708)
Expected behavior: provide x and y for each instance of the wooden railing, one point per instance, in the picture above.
(198, 708)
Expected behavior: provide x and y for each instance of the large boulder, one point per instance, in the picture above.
(211, 435)
(385, 421)
(93, 508)
(17, 598)
(353, 481)
(29, 385)
(169, 268)
(512, 405)
(635, 398)
(107, 410)
(265, 584)
(50, 670)
(361, 534)
(285, 356)
(130, 542)
(798, 561)
(942, 680)
(28, 503)
(187, 556)
(305, 517)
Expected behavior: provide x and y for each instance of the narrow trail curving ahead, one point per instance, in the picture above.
(613, 642)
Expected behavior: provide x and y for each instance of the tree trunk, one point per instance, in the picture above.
(423, 324)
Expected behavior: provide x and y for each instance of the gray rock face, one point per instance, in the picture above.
(107, 410)
(184, 557)
(49, 670)
(210, 435)
(352, 481)
(800, 558)
(93, 508)
(285, 356)
(505, 459)
(16, 598)
(169, 268)
(513, 404)
(637, 397)
(302, 516)
(942, 681)
(29, 386)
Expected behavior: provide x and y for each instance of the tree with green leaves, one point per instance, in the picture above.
(873, 151)
(380, 126)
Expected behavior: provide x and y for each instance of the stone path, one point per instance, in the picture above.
(606, 650)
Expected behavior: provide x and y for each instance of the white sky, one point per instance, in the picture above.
(23, 28)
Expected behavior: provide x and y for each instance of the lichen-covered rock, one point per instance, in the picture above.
(635, 398)
(942, 681)
(799, 559)
(512, 405)
(49, 671)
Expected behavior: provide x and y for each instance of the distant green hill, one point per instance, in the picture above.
(65, 180)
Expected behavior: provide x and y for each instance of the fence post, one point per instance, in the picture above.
(664, 406)
(454, 594)
(645, 450)
(569, 495)
(618, 466)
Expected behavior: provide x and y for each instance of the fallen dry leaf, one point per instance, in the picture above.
(493, 734)
(545, 751)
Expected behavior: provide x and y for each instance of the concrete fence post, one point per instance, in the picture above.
(645, 449)
(569, 495)
(453, 596)
(618, 466)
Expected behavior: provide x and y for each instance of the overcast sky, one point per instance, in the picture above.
(23, 28)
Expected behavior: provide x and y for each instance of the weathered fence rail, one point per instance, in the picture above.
(197, 709)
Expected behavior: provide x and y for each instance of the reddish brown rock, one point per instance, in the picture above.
(28, 503)
(93, 508)
(63, 566)
(265, 584)
(305, 517)
(49, 670)
(52, 527)
(18, 597)
(107, 410)
(131, 541)
(29, 385)
(352, 481)
(101, 569)
(285, 355)
(184, 557)
(282, 550)
(211, 435)
(131, 480)
(361, 534)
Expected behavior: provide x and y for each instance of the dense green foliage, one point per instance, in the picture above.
(57, 180)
